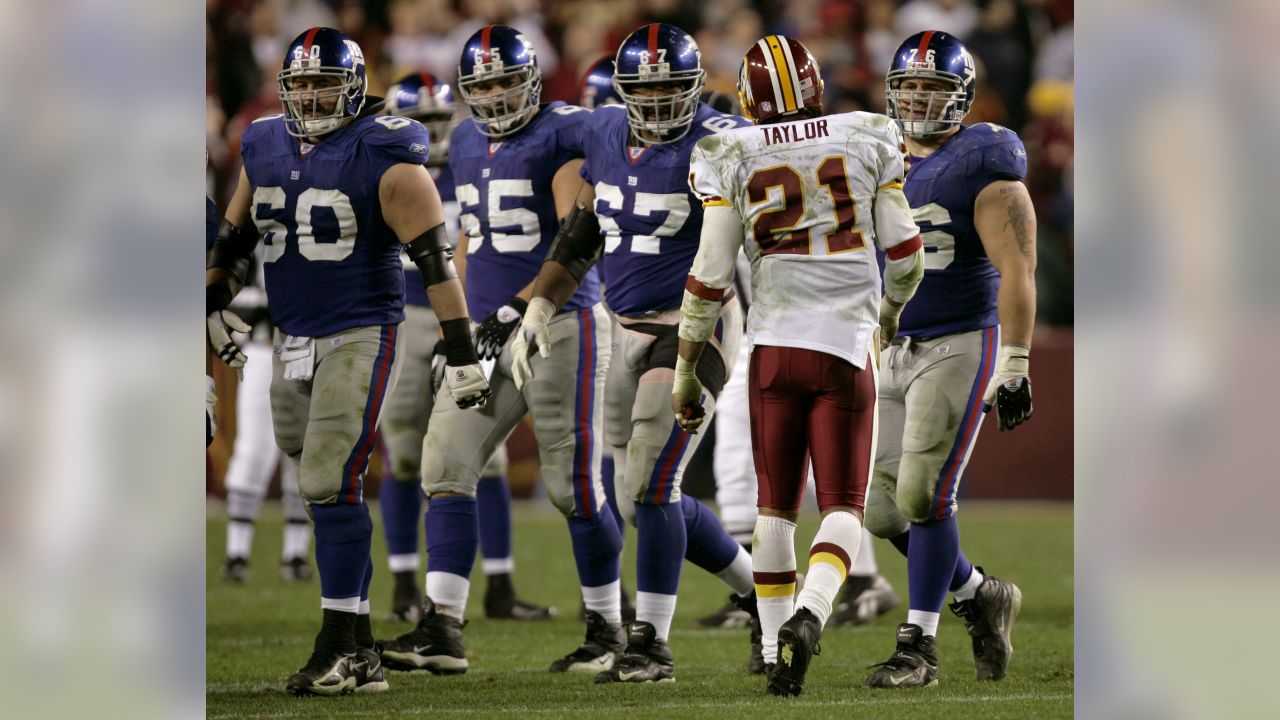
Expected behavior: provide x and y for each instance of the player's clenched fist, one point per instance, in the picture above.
(221, 323)
(686, 397)
(467, 385)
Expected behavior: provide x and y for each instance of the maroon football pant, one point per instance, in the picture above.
(809, 403)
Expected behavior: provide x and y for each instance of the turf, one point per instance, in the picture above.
(257, 634)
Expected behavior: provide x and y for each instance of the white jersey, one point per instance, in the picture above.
(814, 196)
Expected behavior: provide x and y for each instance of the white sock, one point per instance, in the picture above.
(865, 564)
(239, 539)
(773, 562)
(606, 600)
(498, 566)
(297, 540)
(970, 586)
(348, 605)
(657, 610)
(364, 607)
(834, 547)
(408, 562)
(928, 621)
(738, 574)
(449, 592)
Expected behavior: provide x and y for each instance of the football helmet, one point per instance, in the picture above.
(322, 83)
(659, 54)
(423, 97)
(495, 53)
(936, 56)
(779, 80)
(597, 85)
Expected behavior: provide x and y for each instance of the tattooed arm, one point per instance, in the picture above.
(1006, 222)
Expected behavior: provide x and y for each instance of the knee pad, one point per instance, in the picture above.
(882, 517)
(917, 484)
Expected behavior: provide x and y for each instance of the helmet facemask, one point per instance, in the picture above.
(336, 95)
(664, 117)
(504, 111)
(924, 114)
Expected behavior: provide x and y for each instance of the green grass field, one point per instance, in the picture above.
(257, 634)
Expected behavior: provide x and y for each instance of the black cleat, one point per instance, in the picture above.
(434, 645)
(865, 599)
(326, 673)
(501, 603)
(406, 599)
(988, 617)
(235, 570)
(755, 665)
(367, 667)
(913, 664)
(797, 644)
(295, 570)
(647, 659)
(602, 648)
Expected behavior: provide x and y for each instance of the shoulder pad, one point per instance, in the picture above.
(400, 138)
(994, 152)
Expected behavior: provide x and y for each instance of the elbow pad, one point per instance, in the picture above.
(233, 250)
(433, 255)
(903, 273)
(578, 243)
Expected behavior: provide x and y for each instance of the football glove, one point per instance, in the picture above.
(890, 312)
(438, 364)
(686, 397)
(496, 329)
(1009, 391)
(532, 330)
(299, 357)
(221, 323)
(467, 385)
(210, 403)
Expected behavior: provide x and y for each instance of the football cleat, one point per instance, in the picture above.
(326, 673)
(755, 665)
(865, 599)
(367, 667)
(913, 664)
(235, 570)
(797, 644)
(295, 570)
(501, 603)
(989, 616)
(602, 648)
(647, 659)
(435, 645)
(406, 599)
(728, 617)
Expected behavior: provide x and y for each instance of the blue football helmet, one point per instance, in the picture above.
(597, 85)
(425, 98)
(659, 54)
(322, 83)
(499, 53)
(934, 56)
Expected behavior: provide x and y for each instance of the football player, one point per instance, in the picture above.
(334, 190)
(962, 348)
(636, 209)
(812, 195)
(515, 167)
(212, 219)
(424, 98)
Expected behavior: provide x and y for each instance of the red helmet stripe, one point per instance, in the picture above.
(653, 43)
(922, 53)
(426, 78)
(308, 40)
(485, 43)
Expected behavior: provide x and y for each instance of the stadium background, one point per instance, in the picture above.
(1024, 50)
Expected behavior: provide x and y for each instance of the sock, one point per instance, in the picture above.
(660, 549)
(297, 539)
(597, 552)
(606, 600)
(338, 630)
(344, 535)
(656, 609)
(773, 563)
(401, 502)
(864, 565)
(935, 550)
(243, 506)
(902, 542)
(363, 629)
(712, 549)
(611, 491)
(969, 587)
(964, 568)
(451, 551)
(834, 547)
(928, 621)
(493, 508)
(239, 537)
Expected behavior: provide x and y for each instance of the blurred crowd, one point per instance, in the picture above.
(1024, 51)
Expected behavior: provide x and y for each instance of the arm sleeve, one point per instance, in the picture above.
(712, 272)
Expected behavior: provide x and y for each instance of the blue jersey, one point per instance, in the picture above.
(650, 218)
(330, 260)
(508, 211)
(212, 221)
(415, 291)
(958, 293)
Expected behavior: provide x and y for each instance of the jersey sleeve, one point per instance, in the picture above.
(705, 180)
(573, 129)
(391, 140)
(1002, 157)
(893, 160)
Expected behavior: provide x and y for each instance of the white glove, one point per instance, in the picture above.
(532, 328)
(686, 397)
(890, 312)
(1010, 388)
(210, 403)
(299, 357)
(221, 324)
(467, 384)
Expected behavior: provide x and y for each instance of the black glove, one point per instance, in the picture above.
(497, 328)
(1013, 403)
